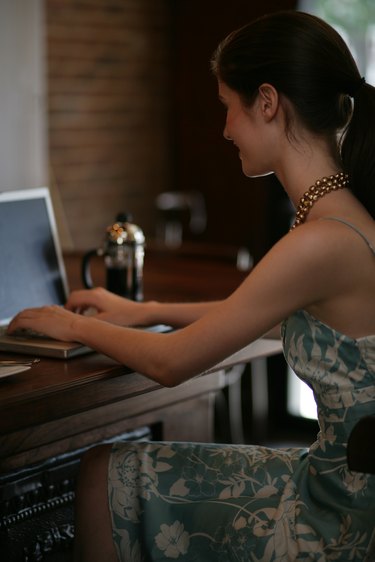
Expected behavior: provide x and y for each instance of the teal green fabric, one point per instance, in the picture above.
(197, 502)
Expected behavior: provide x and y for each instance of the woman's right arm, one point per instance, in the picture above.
(124, 312)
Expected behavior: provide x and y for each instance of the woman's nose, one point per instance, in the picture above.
(226, 135)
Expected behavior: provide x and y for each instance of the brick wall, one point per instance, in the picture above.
(133, 111)
(109, 65)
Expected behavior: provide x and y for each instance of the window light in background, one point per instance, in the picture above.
(300, 401)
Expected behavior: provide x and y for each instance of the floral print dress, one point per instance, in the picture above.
(202, 503)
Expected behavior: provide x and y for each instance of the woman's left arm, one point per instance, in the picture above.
(294, 274)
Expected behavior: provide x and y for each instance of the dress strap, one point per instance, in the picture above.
(354, 228)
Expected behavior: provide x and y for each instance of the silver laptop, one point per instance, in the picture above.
(32, 271)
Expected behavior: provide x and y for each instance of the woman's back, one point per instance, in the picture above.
(350, 306)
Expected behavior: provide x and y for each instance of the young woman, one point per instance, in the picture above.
(296, 106)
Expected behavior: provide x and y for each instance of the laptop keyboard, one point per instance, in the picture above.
(21, 333)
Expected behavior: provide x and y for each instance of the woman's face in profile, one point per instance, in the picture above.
(244, 126)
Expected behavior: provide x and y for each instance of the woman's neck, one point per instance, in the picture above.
(303, 165)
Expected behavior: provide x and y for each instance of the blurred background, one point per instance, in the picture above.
(111, 103)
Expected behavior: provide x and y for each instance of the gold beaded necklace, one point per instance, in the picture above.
(315, 192)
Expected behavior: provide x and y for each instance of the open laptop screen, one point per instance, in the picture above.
(31, 268)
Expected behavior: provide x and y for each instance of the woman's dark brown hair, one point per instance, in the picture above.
(308, 62)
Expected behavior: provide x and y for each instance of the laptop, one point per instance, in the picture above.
(32, 271)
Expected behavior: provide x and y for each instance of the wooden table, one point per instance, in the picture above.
(63, 405)
(57, 409)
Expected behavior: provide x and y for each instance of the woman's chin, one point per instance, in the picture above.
(256, 174)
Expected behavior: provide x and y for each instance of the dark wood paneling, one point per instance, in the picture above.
(238, 207)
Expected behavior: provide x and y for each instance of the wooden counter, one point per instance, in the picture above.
(53, 412)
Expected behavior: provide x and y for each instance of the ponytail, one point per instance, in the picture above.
(305, 59)
(358, 147)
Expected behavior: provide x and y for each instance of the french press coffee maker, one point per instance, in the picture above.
(123, 253)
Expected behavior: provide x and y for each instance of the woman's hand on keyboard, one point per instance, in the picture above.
(52, 321)
(108, 306)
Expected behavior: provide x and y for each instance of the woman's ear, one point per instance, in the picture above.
(268, 100)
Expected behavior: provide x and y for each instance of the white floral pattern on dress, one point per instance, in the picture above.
(240, 503)
(173, 540)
